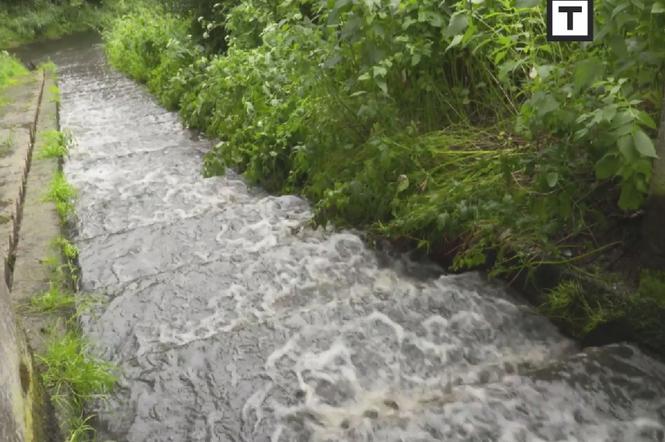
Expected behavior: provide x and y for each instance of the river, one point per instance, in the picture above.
(231, 319)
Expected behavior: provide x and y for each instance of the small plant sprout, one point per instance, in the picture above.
(52, 300)
(62, 194)
(69, 250)
(55, 144)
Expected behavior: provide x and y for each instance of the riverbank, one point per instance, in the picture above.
(39, 20)
(49, 373)
(23, 405)
(385, 142)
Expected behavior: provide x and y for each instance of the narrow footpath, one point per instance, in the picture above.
(230, 319)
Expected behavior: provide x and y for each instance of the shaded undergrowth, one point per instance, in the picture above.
(27, 21)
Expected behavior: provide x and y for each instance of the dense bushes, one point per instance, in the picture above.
(27, 20)
(297, 95)
(457, 127)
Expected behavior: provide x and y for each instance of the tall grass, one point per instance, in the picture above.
(10, 70)
(26, 21)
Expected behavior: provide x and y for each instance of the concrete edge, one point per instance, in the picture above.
(25, 409)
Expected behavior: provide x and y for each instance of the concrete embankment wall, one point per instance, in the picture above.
(24, 409)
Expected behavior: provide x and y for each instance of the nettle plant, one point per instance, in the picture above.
(603, 97)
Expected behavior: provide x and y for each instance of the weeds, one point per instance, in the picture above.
(10, 70)
(71, 372)
(582, 309)
(54, 299)
(68, 250)
(80, 429)
(458, 128)
(69, 270)
(479, 158)
(55, 144)
(62, 194)
(25, 21)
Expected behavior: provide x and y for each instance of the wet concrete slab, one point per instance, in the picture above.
(35, 249)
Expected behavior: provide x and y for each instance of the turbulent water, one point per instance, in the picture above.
(231, 319)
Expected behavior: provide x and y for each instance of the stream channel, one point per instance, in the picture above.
(231, 319)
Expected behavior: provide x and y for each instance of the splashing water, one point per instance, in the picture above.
(232, 320)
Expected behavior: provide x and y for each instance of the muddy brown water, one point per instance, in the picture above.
(232, 320)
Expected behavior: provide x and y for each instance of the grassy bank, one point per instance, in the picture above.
(11, 70)
(457, 129)
(72, 375)
(26, 21)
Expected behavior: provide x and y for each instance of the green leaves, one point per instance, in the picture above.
(455, 41)
(608, 166)
(352, 103)
(643, 144)
(457, 24)
(587, 72)
(402, 183)
(658, 8)
(526, 3)
(552, 179)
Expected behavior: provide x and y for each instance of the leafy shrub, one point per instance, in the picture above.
(453, 125)
(152, 47)
(24, 21)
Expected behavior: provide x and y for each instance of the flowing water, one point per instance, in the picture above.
(231, 319)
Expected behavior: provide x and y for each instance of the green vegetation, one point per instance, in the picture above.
(55, 145)
(456, 127)
(54, 92)
(68, 250)
(23, 21)
(54, 299)
(69, 371)
(67, 271)
(62, 194)
(11, 70)
(73, 377)
(582, 308)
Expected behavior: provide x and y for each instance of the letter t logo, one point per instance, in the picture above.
(569, 20)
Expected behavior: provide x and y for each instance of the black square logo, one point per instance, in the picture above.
(569, 20)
